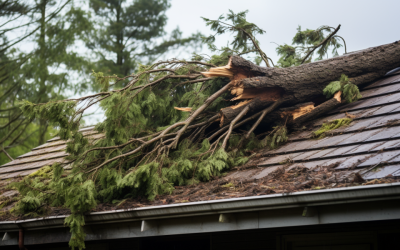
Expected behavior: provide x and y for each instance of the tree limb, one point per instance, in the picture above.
(5, 152)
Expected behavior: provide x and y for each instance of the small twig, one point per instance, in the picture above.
(344, 42)
(246, 52)
(271, 61)
(197, 80)
(262, 54)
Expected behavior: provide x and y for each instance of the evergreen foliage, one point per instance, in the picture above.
(332, 125)
(40, 75)
(306, 43)
(130, 33)
(350, 91)
(278, 136)
(10, 8)
(244, 33)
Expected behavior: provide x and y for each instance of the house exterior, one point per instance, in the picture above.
(354, 205)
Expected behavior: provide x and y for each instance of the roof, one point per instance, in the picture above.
(369, 146)
(366, 152)
(44, 155)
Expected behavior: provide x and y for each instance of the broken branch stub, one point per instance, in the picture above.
(321, 109)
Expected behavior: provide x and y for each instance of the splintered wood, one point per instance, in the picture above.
(265, 94)
(298, 110)
(301, 84)
(245, 95)
(233, 73)
(240, 104)
(219, 72)
(338, 96)
(183, 109)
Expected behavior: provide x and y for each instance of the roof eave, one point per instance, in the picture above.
(234, 205)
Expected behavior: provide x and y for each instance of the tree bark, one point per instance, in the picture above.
(229, 113)
(303, 83)
(307, 81)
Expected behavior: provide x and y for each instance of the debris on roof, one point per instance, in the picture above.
(365, 152)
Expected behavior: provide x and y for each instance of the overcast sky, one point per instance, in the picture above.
(364, 23)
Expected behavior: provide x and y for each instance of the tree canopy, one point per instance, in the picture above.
(38, 75)
(50, 66)
(128, 34)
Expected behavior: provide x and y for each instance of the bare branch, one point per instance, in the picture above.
(237, 118)
(199, 110)
(262, 115)
(5, 152)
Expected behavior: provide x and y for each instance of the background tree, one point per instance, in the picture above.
(40, 74)
(129, 33)
(9, 12)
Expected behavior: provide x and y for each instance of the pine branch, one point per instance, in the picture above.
(319, 45)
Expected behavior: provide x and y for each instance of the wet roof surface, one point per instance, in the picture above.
(365, 152)
(370, 145)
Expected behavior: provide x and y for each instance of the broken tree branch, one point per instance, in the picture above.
(241, 114)
(321, 109)
(305, 82)
(198, 111)
(262, 115)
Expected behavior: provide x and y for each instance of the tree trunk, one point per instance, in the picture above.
(306, 81)
(303, 83)
(43, 70)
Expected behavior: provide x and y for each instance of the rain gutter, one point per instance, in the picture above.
(313, 198)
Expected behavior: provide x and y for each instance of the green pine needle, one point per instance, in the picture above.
(329, 126)
(350, 91)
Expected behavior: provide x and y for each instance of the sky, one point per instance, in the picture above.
(364, 23)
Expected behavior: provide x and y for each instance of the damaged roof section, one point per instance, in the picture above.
(365, 152)
(368, 148)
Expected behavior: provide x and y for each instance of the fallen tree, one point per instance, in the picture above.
(303, 83)
(179, 122)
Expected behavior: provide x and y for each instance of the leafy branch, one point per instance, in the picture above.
(244, 31)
